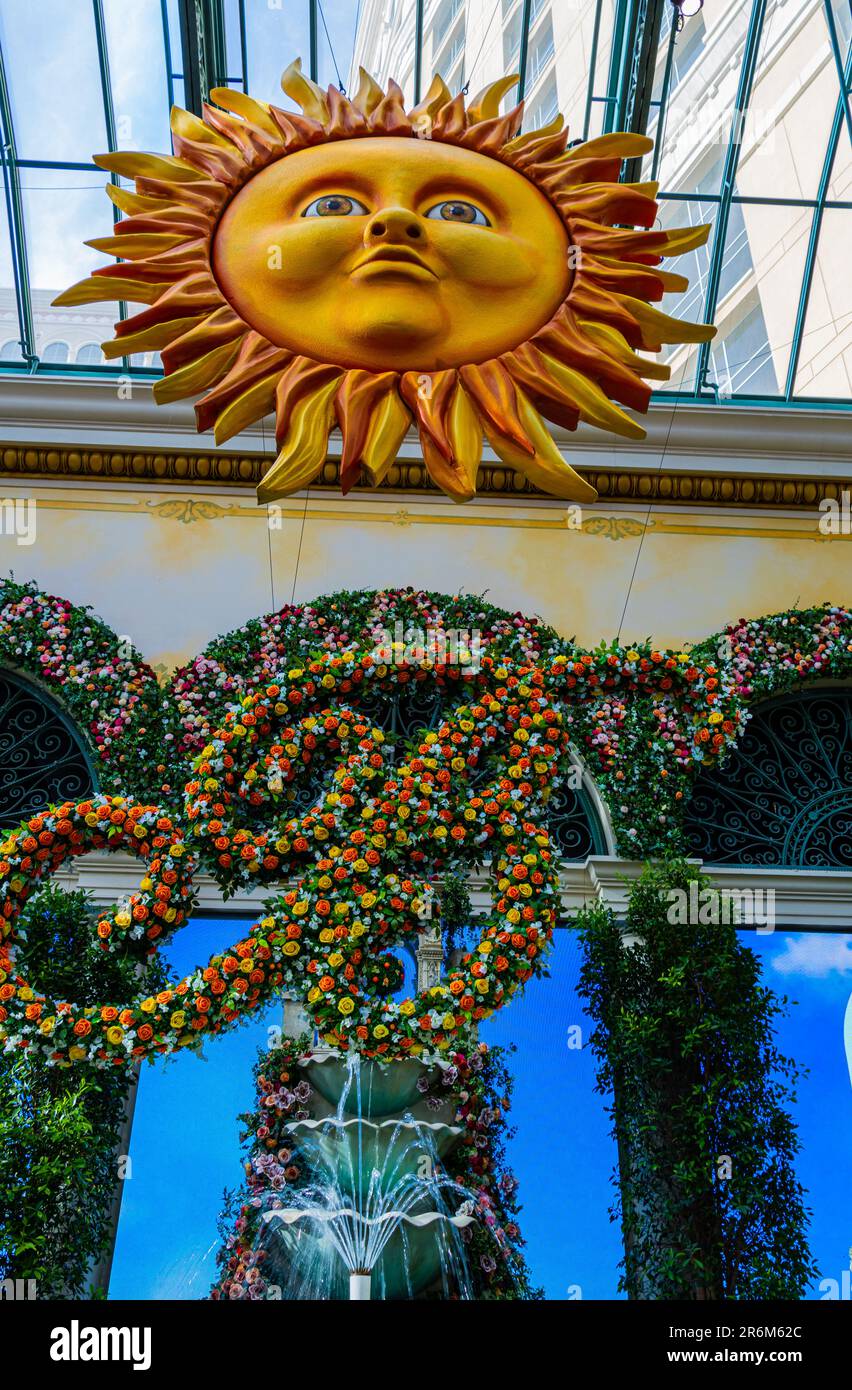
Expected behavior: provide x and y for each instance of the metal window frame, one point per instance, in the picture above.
(627, 100)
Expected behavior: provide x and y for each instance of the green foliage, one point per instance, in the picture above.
(59, 1127)
(456, 912)
(685, 1042)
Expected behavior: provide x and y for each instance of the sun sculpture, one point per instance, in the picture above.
(378, 270)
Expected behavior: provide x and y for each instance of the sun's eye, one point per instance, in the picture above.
(335, 205)
(454, 210)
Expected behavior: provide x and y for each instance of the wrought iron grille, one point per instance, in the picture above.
(784, 797)
(42, 758)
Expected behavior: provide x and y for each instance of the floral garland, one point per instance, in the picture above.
(645, 719)
(30, 856)
(641, 710)
(364, 834)
(771, 655)
(199, 695)
(356, 897)
(272, 1166)
(111, 694)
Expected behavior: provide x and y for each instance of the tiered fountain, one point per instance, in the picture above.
(379, 1210)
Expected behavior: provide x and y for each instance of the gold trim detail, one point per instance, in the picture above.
(606, 525)
(220, 469)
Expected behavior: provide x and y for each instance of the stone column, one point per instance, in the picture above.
(430, 956)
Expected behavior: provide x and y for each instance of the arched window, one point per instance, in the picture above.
(42, 757)
(90, 355)
(784, 797)
(55, 352)
(11, 351)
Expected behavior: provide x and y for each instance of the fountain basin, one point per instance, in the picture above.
(386, 1088)
(354, 1148)
(410, 1262)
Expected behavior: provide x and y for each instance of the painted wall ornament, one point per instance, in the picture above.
(378, 270)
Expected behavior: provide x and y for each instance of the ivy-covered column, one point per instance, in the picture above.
(709, 1201)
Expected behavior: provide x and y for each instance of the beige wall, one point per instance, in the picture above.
(173, 568)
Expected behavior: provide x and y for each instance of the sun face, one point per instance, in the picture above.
(379, 271)
(392, 254)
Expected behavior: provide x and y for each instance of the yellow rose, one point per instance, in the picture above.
(314, 994)
(406, 1008)
(115, 1035)
(335, 960)
(178, 1019)
(380, 1031)
(481, 986)
(291, 948)
(346, 1005)
(148, 1006)
(76, 1054)
(46, 1026)
(448, 1022)
(326, 936)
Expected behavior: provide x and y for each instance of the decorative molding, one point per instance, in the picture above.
(805, 899)
(109, 413)
(696, 488)
(380, 511)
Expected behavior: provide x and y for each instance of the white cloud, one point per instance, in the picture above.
(815, 954)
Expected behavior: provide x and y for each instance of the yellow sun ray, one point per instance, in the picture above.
(573, 368)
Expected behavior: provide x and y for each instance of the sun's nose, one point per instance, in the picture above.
(394, 226)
